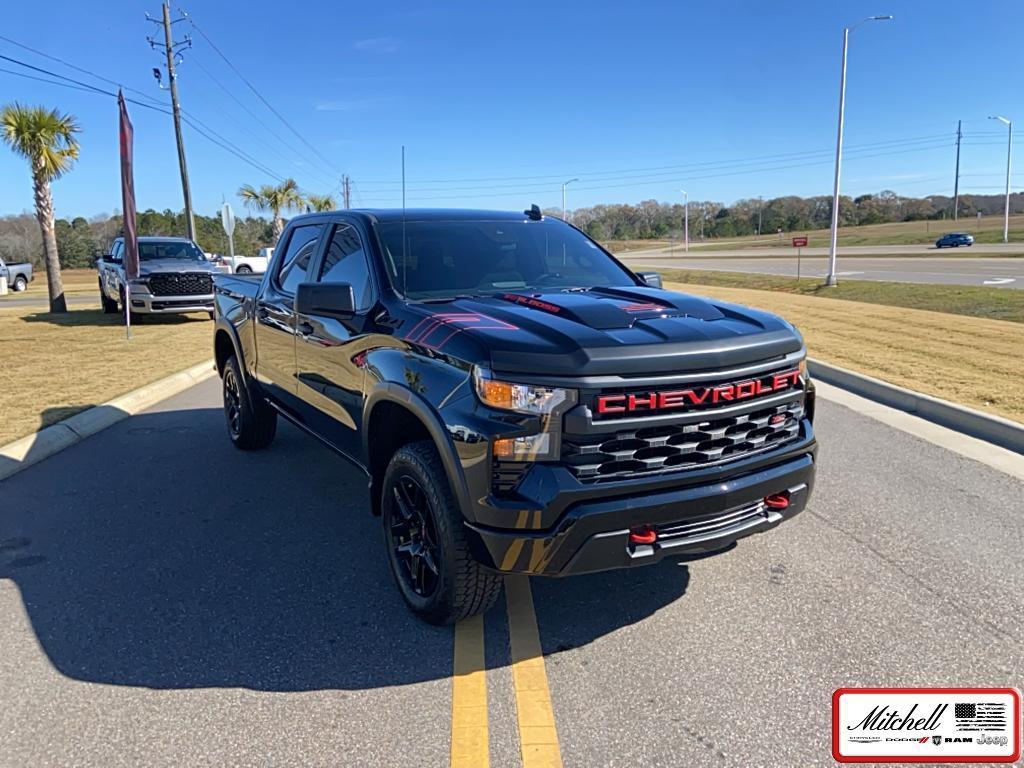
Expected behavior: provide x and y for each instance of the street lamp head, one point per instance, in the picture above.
(1000, 118)
(570, 181)
(870, 18)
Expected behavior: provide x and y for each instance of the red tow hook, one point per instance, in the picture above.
(777, 500)
(643, 534)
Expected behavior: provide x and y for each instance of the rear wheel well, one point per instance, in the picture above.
(223, 349)
(390, 427)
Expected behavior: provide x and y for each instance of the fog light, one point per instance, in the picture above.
(777, 500)
(528, 448)
(643, 534)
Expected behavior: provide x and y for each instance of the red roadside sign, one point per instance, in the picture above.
(799, 242)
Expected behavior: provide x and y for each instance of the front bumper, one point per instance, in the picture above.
(145, 303)
(694, 518)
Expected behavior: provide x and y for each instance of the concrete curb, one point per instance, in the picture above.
(30, 449)
(993, 429)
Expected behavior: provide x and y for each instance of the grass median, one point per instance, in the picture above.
(974, 361)
(57, 365)
(1006, 304)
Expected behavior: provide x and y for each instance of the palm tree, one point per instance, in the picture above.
(46, 139)
(285, 196)
(320, 203)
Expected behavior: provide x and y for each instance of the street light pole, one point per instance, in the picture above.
(1009, 145)
(831, 278)
(686, 219)
(564, 185)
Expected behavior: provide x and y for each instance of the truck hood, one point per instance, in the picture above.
(604, 331)
(153, 266)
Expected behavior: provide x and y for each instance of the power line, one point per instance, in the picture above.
(78, 68)
(681, 166)
(252, 88)
(205, 131)
(719, 173)
(83, 86)
(255, 118)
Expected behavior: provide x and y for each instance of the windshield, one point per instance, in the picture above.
(170, 249)
(450, 258)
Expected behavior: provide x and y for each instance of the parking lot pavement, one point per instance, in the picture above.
(167, 600)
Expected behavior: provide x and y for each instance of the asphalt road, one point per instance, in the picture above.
(993, 272)
(168, 600)
(17, 300)
(785, 249)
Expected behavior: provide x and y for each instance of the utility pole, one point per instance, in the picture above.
(346, 193)
(170, 49)
(956, 181)
(830, 279)
(760, 205)
(686, 219)
(1009, 145)
(564, 185)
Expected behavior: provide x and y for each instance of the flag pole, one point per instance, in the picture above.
(130, 257)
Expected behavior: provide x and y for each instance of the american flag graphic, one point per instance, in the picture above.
(980, 716)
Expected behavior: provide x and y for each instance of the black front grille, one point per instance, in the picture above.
(646, 450)
(183, 284)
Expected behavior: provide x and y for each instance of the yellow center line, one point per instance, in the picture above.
(538, 736)
(469, 696)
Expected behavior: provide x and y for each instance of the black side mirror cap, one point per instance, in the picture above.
(335, 299)
(653, 279)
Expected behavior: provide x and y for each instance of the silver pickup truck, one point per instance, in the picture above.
(18, 275)
(174, 277)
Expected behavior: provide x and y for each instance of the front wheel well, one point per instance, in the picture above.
(390, 426)
(223, 349)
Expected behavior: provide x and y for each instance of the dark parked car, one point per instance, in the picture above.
(954, 240)
(519, 400)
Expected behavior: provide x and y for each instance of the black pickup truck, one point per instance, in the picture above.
(519, 400)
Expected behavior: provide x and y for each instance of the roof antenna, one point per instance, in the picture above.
(405, 258)
(534, 213)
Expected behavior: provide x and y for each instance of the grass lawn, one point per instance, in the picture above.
(76, 281)
(974, 301)
(988, 229)
(974, 361)
(57, 365)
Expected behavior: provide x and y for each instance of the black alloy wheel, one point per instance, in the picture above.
(232, 403)
(412, 535)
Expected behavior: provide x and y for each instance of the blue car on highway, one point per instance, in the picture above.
(954, 240)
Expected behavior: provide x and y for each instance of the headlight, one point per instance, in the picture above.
(524, 398)
(802, 367)
(139, 285)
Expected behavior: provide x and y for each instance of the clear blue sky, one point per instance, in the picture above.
(498, 103)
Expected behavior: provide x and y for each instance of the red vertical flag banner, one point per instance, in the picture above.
(131, 242)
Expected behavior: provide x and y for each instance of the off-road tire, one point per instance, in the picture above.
(109, 305)
(464, 587)
(256, 423)
(20, 284)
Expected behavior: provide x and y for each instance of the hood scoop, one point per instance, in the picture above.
(609, 309)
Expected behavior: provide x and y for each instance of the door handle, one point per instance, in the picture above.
(304, 329)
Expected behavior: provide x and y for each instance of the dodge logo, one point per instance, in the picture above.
(697, 396)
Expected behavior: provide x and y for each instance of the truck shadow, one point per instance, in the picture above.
(97, 317)
(155, 554)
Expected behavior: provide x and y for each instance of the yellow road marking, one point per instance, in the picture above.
(537, 733)
(469, 696)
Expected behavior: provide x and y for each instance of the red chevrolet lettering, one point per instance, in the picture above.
(681, 398)
(609, 404)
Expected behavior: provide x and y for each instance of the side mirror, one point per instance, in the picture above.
(112, 259)
(335, 299)
(653, 279)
